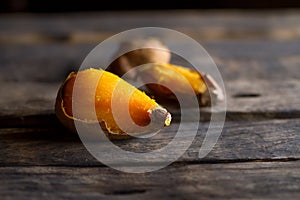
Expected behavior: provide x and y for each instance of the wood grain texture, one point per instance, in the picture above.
(260, 99)
(209, 25)
(236, 60)
(256, 157)
(239, 141)
(262, 180)
(53, 45)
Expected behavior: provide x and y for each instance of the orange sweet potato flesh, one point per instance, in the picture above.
(108, 87)
(180, 77)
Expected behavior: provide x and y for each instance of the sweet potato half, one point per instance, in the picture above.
(109, 88)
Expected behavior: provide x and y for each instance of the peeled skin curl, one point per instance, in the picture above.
(181, 79)
(100, 88)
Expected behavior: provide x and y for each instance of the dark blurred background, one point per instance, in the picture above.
(94, 5)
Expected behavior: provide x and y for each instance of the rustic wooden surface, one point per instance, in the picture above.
(256, 157)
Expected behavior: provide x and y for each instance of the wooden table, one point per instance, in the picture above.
(256, 157)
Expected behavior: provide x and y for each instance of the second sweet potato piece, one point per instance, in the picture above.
(181, 79)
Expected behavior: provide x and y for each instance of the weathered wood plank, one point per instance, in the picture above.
(247, 60)
(258, 56)
(263, 98)
(239, 141)
(261, 180)
(206, 25)
(245, 100)
(27, 98)
(43, 63)
(266, 42)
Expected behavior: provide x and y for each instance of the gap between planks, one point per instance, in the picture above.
(174, 164)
